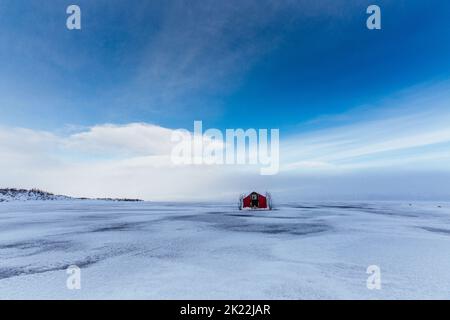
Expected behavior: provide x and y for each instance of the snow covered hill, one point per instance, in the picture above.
(26, 195)
(11, 194)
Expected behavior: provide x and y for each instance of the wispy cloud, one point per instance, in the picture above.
(201, 51)
(412, 128)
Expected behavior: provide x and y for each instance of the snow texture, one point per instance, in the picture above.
(28, 195)
(144, 250)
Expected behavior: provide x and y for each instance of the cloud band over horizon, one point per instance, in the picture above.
(408, 138)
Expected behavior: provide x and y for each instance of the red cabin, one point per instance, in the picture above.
(255, 201)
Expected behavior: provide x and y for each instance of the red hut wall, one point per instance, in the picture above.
(246, 202)
(262, 201)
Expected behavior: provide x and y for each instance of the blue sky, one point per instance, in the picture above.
(171, 62)
(309, 68)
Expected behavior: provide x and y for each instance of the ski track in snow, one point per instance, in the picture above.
(214, 251)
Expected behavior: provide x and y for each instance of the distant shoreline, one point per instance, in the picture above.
(13, 194)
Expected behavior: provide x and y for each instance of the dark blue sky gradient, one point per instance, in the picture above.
(238, 64)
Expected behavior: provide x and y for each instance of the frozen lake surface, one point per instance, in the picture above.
(209, 251)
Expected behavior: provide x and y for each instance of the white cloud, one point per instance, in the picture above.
(126, 140)
(377, 155)
(415, 134)
(132, 160)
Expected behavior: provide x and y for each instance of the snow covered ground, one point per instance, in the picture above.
(209, 251)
